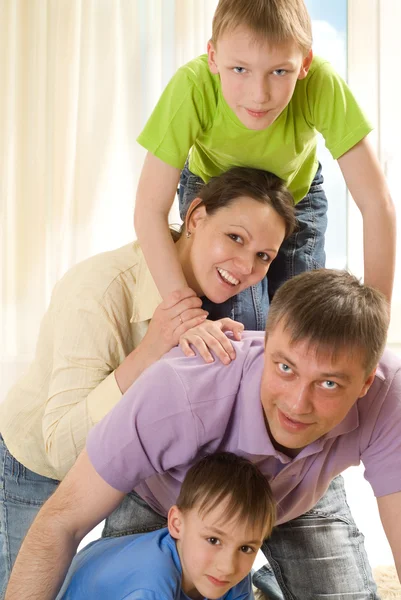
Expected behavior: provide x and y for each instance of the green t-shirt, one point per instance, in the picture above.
(192, 116)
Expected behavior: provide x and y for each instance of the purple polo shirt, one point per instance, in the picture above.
(182, 408)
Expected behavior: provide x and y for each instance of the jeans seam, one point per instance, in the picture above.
(277, 573)
(5, 532)
(257, 307)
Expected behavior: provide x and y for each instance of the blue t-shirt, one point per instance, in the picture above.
(133, 567)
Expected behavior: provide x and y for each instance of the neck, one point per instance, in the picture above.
(183, 246)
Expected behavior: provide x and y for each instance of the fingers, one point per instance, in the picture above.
(186, 348)
(207, 338)
(187, 316)
(230, 325)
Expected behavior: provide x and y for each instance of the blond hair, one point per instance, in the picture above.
(276, 21)
(334, 312)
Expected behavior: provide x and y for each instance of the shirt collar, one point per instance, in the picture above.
(146, 298)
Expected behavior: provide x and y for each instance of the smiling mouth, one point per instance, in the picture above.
(291, 423)
(227, 277)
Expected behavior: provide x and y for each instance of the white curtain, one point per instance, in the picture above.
(78, 80)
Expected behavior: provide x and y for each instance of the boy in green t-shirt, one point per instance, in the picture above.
(258, 99)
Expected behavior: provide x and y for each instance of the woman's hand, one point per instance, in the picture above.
(179, 312)
(210, 335)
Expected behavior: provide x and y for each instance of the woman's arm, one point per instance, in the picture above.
(90, 371)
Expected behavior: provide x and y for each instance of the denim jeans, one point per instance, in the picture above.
(302, 251)
(22, 493)
(317, 556)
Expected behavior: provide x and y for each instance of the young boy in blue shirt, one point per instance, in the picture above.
(258, 98)
(224, 511)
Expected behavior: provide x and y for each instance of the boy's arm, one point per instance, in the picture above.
(156, 192)
(80, 502)
(390, 514)
(367, 184)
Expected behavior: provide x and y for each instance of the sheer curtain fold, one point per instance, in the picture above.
(79, 78)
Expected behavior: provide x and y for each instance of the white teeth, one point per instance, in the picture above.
(227, 277)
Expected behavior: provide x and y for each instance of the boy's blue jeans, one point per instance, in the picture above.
(303, 251)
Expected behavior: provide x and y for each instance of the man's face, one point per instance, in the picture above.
(305, 394)
(215, 554)
(257, 80)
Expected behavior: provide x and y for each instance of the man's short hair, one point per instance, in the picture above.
(276, 21)
(334, 312)
(226, 477)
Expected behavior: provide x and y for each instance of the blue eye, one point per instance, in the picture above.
(329, 385)
(284, 368)
(239, 70)
(280, 72)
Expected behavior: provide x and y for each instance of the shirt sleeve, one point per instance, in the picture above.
(381, 457)
(82, 386)
(176, 121)
(334, 111)
(151, 430)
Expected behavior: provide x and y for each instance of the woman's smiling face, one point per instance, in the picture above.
(230, 249)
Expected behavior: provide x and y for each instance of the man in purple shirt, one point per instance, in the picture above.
(304, 405)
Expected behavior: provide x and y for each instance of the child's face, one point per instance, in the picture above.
(257, 80)
(215, 555)
(231, 249)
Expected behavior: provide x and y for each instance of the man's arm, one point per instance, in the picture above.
(157, 188)
(367, 184)
(390, 514)
(81, 501)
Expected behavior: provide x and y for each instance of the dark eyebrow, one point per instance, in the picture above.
(281, 356)
(337, 375)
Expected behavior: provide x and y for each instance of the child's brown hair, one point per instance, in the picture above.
(226, 477)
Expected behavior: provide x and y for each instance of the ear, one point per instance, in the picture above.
(175, 522)
(211, 58)
(306, 63)
(195, 214)
(370, 379)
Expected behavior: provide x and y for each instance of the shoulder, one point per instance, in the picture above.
(197, 70)
(387, 383)
(380, 408)
(197, 76)
(321, 78)
(125, 566)
(200, 380)
(94, 278)
(321, 68)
